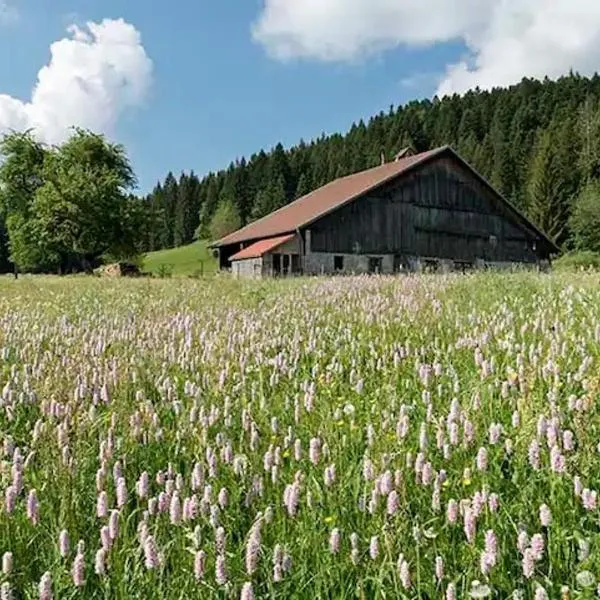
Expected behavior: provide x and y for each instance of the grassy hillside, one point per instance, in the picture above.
(185, 260)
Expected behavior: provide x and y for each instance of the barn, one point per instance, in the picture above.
(423, 210)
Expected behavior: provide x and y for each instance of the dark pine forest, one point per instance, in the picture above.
(538, 142)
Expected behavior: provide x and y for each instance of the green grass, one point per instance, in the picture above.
(193, 259)
(354, 408)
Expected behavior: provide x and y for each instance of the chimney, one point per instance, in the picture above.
(408, 151)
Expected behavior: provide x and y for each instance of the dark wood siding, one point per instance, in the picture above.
(441, 210)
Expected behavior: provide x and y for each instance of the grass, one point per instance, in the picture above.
(418, 437)
(193, 259)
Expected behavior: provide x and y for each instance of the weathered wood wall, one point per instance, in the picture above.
(441, 211)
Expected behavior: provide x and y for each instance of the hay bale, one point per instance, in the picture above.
(120, 269)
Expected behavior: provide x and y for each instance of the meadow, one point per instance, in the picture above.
(195, 259)
(432, 436)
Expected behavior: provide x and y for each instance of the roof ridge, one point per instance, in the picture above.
(405, 162)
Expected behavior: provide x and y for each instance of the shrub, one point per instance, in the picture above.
(577, 261)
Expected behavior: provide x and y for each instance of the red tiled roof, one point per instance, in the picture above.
(262, 247)
(323, 200)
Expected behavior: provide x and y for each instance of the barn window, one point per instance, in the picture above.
(375, 263)
(338, 263)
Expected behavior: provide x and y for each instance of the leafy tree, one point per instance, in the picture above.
(585, 219)
(67, 206)
(21, 175)
(5, 265)
(225, 220)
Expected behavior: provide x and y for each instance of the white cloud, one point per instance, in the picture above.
(506, 39)
(92, 77)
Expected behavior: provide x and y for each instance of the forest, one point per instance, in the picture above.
(538, 142)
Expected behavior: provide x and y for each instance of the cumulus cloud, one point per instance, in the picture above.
(505, 39)
(92, 76)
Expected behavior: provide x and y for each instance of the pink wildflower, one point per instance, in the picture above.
(175, 511)
(469, 525)
(106, 539)
(334, 541)
(522, 541)
(143, 485)
(589, 499)
(45, 587)
(534, 455)
(221, 570)
(314, 451)
(528, 563)
(557, 460)
(247, 592)
(78, 570)
(451, 591)
(113, 524)
(10, 499)
(545, 515)
(7, 563)
(102, 505)
(568, 440)
(5, 591)
(63, 543)
(439, 568)
(452, 511)
(329, 475)
(151, 557)
(405, 575)
(374, 548)
(199, 565)
(537, 546)
(482, 459)
(100, 562)
(121, 492)
(253, 547)
(33, 507)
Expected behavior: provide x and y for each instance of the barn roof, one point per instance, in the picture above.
(262, 247)
(321, 201)
(309, 208)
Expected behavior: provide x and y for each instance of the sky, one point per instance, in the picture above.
(199, 85)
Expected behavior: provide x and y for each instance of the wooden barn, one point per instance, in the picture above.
(429, 210)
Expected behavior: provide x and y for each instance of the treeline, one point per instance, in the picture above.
(538, 142)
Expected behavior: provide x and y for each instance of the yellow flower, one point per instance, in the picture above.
(328, 520)
(466, 482)
(286, 453)
(446, 483)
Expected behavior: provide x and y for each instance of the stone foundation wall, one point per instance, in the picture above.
(249, 268)
(321, 263)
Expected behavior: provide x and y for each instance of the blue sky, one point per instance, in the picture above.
(218, 91)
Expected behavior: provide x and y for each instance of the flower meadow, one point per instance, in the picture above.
(433, 436)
